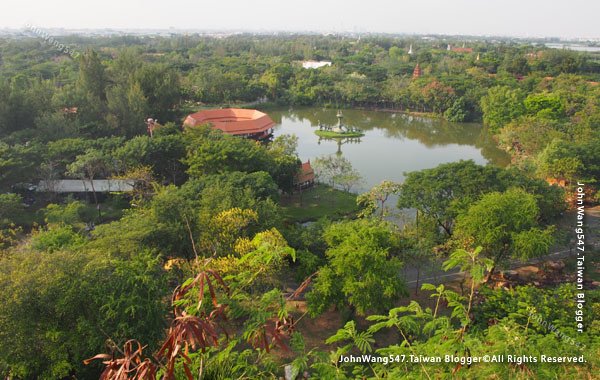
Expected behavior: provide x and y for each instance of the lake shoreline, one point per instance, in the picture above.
(429, 115)
(268, 105)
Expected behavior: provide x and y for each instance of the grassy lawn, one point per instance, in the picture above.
(315, 203)
(111, 209)
(336, 135)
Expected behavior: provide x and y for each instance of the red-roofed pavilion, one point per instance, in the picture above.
(305, 177)
(234, 121)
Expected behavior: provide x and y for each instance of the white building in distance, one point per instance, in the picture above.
(315, 64)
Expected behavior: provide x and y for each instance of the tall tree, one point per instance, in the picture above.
(337, 170)
(92, 77)
(127, 109)
(441, 192)
(91, 92)
(374, 200)
(506, 226)
(90, 166)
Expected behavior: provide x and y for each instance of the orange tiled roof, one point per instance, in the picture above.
(462, 50)
(69, 110)
(306, 174)
(233, 121)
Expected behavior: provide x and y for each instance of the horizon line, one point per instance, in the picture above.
(179, 30)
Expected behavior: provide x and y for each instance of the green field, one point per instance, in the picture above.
(318, 202)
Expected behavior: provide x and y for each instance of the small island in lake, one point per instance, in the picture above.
(338, 131)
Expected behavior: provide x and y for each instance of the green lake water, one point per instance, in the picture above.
(394, 143)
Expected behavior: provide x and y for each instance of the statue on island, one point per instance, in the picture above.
(340, 130)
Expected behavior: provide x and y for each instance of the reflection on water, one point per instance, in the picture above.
(394, 143)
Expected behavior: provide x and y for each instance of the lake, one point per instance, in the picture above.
(394, 143)
(576, 47)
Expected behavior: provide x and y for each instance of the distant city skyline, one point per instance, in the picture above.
(517, 18)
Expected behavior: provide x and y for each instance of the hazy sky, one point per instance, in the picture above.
(562, 18)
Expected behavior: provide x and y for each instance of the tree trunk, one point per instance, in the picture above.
(489, 275)
(418, 277)
(94, 192)
(494, 263)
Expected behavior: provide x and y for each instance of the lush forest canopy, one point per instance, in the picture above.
(198, 271)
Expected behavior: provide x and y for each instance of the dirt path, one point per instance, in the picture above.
(592, 223)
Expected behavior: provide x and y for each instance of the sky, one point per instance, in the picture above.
(524, 18)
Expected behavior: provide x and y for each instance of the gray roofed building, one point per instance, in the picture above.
(85, 186)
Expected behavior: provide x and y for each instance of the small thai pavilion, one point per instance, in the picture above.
(305, 177)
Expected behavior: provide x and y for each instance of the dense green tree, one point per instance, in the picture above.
(284, 155)
(545, 106)
(19, 164)
(361, 271)
(501, 105)
(506, 226)
(160, 86)
(72, 213)
(457, 112)
(125, 65)
(559, 160)
(92, 76)
(275, 79)
(550, 199)
(255, 191)
(90, 94)
(60, 308)
(212, 152)
(515, 63)
(443, 191)
(56, 126)
(528, 135)
(10, 207)
(557, 61)
(163, 153)
(22, 100)
(127, 109)
(56, 237)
